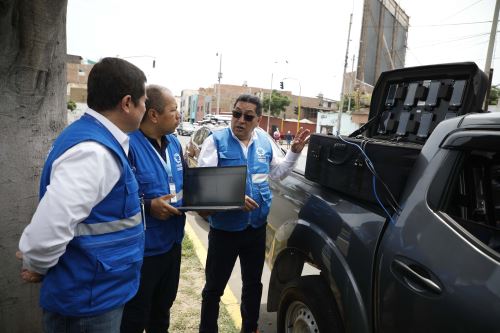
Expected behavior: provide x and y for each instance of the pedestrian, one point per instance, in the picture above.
(86, 238)
(288, 139)
(276, 136)
(156, 154)
(242, 233)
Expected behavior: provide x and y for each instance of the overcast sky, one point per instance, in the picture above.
(305, 40)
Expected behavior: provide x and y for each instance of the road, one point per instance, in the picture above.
(197, 230)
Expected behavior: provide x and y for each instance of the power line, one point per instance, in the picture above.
(376, 26)
(414, 56)
(449, 17)
(452, 40)
(448, 24)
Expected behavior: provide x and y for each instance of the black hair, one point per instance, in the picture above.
(251, 99)
(110, 80)
(155, 99)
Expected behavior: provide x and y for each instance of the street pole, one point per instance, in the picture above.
(299, 99)
(298, 115)
(270, 99)
(343, 77)
(219, 76)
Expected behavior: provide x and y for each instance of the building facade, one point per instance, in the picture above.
(384, 34)
(77, 73)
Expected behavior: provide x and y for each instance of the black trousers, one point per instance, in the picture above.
(150, 308)
(223, 249)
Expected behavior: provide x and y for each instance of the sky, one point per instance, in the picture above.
(264, 41)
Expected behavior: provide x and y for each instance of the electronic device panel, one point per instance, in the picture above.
(409, 109)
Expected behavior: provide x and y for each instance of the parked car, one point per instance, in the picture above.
(186, 128)
(193, 147)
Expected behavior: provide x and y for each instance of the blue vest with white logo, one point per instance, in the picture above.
(100, 268)
(161, 235)
(258, 162)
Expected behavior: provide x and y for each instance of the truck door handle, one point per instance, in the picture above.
(411, 275)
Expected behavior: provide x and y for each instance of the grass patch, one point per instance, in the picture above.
(185, 313)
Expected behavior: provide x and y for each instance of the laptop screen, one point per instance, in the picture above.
(214, 186)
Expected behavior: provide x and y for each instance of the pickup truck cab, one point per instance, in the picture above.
(435, 267)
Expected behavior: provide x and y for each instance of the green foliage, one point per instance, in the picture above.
(494, 95)
(278, 103)
(354, 102)
(71, 105)
(357, 101)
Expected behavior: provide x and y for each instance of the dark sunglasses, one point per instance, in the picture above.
(238, 114)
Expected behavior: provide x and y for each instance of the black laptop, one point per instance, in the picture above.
(214, 188)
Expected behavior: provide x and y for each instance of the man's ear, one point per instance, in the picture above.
(125, 103)
(153, 115)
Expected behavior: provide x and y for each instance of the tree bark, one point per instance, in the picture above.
(32, 113)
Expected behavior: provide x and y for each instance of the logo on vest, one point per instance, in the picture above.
(261, 154)
(178, 161)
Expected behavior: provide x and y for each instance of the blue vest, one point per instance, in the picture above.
(100, 269)
(258, 162)
(161, 235)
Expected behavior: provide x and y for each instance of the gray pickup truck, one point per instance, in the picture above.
(435, 267)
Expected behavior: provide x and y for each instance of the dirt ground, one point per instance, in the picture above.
(185, 313)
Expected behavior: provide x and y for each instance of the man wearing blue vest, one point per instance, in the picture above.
(85, 241)
(156, 155)
(242, 233)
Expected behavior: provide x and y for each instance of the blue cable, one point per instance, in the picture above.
(374, 187)
(378, 200)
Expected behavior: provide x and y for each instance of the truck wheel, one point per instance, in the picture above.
(307, 305)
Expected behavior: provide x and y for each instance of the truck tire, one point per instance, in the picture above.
(308, 305)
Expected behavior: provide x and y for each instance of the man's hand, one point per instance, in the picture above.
(26, 275)
(31, 277)
(250, 204)
(300, 140)
(161, 209)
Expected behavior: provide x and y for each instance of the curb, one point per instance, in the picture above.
(228, 299)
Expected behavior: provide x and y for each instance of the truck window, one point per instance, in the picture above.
(473, 199)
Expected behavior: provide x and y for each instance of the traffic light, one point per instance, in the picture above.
(281, 85)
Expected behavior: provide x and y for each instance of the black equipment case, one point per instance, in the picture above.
(406, 106)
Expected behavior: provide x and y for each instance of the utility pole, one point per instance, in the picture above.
(353, 77)
(343, 77)
(491, 45)
(219, 76)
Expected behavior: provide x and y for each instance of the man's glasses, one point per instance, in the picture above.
(237, 114)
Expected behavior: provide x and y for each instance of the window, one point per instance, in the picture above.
(472, 197)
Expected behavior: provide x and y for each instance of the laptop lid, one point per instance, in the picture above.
(214, 188)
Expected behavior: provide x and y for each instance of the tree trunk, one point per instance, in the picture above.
(32, 113)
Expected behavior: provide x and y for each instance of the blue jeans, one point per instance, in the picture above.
(108, 322)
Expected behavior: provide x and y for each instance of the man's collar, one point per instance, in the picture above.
(119, 135)
(252, 137)
(164, 138)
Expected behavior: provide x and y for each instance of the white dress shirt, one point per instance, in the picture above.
(80, 178)
(280, 167)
